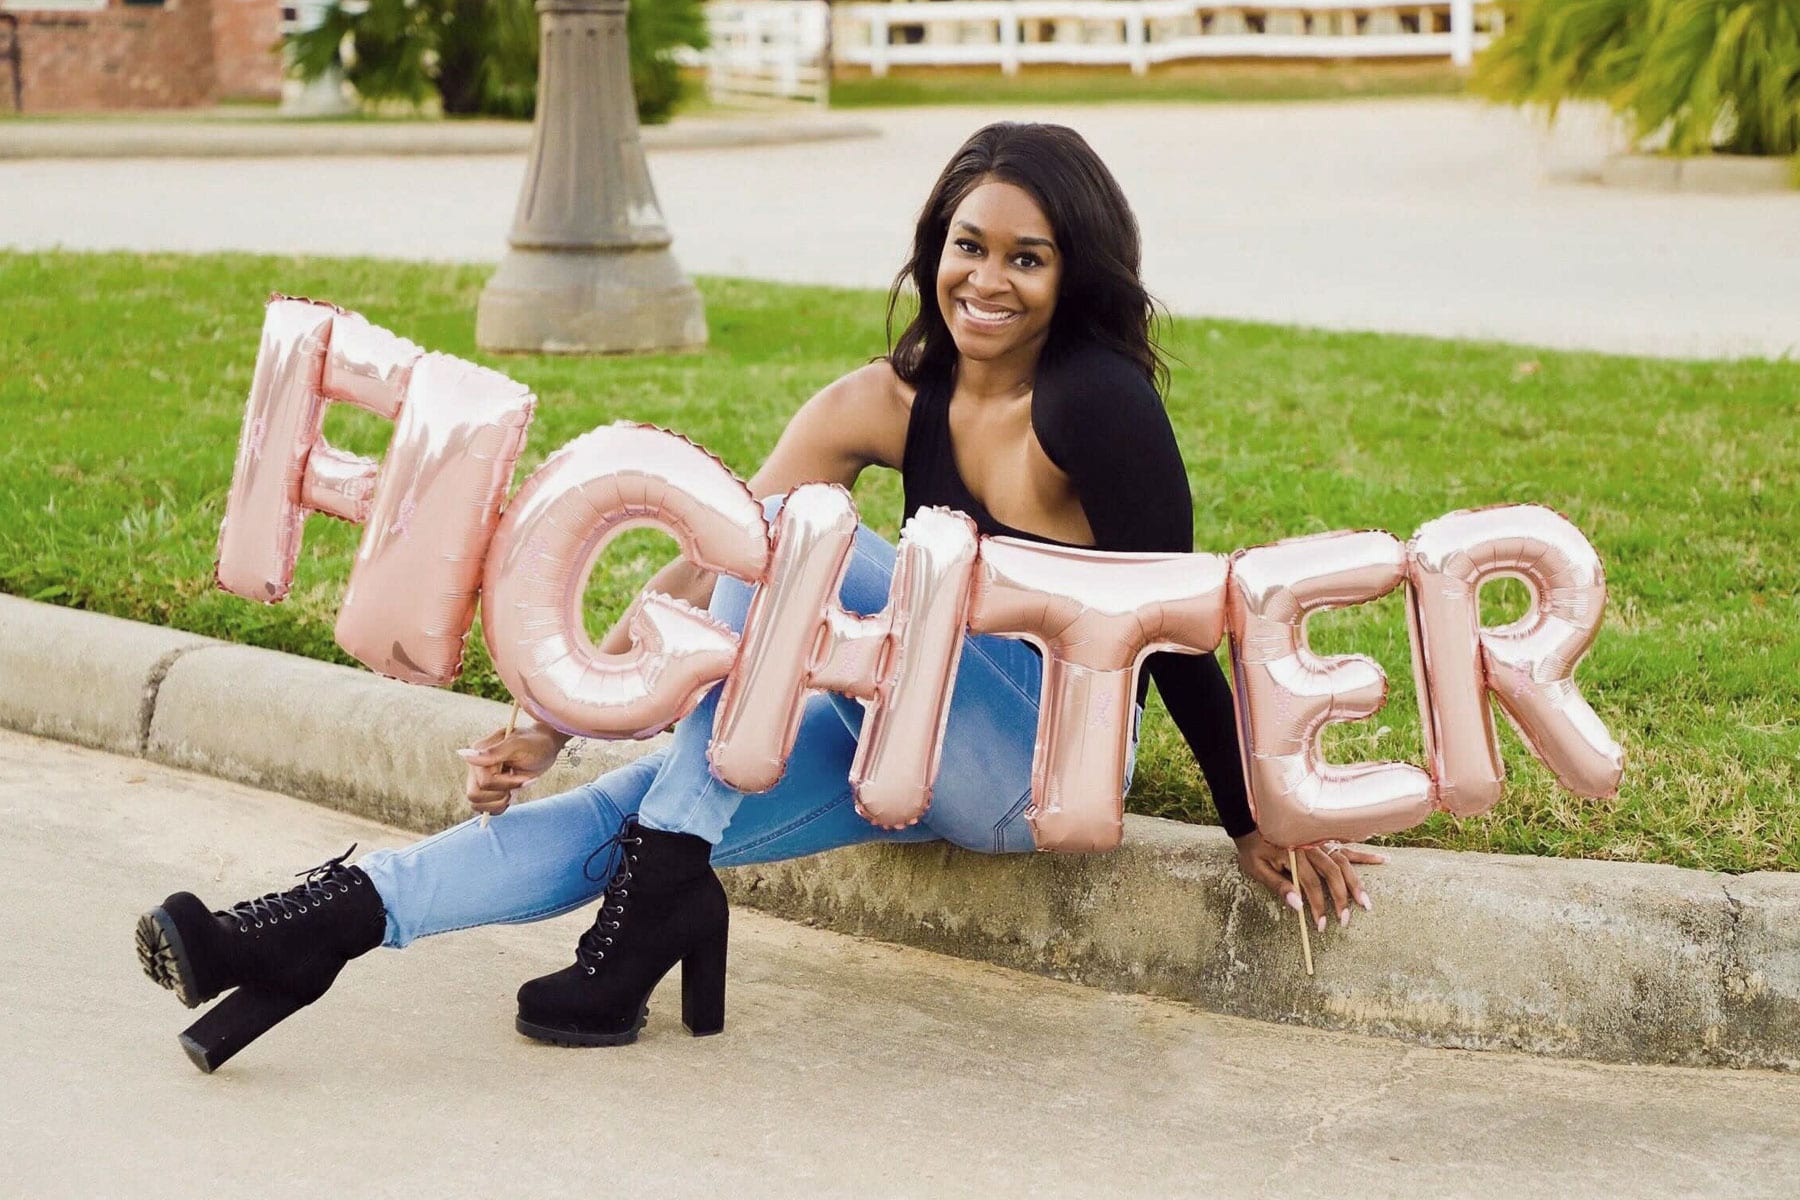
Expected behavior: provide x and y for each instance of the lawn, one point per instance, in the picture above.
(1170, 83)
(122, 381)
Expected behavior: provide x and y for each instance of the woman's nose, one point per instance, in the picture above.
(987, 277)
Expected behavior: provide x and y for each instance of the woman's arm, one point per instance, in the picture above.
(1103, 425)
(856, 421)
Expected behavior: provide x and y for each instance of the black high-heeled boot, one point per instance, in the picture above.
(280, 951)
(663, 905)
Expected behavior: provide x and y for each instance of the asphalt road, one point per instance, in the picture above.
(847, 1067)
(1433, 216)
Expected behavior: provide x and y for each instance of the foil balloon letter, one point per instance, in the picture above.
(1096, 616)
(904, 663)
(427, 510)
(597, 486)
(1286, 694)
(765, 695)
(903, 660)
(1529, 665)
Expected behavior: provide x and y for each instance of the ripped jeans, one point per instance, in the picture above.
(531, 862)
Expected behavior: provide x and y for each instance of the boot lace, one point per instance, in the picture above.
(590, 951)
(328, 879)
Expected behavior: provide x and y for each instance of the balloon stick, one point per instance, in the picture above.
(510, 722)
(1305, 936)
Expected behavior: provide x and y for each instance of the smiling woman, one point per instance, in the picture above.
(1023, 393)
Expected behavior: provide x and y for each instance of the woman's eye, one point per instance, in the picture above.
(1027, 260)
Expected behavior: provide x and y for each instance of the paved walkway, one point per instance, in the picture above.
(847, 1067)
(1429, 216)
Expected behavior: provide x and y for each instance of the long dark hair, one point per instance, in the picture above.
(1101, 298)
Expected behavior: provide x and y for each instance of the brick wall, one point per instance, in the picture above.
(175, 55)
(246, 64)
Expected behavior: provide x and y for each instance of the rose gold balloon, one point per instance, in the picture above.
(765, 696)
(911, 675)
(1096, 616)
(260, 537)
(417, 573)
(600, 484)
(427, 510)
(1286, 694)
(1529, 665)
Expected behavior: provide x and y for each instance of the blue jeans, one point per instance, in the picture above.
(532, 862)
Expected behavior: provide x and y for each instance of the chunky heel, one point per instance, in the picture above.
(703, 987)
(234, 1023)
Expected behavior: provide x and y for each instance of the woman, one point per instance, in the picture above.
(1023, 394)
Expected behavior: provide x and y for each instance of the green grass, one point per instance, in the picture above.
(1172, 83)
(122, 382)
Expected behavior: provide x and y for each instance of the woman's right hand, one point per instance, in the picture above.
(501, 763)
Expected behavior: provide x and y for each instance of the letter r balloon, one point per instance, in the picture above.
(428, 509)
(1529, 665)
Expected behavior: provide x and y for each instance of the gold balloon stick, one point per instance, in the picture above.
(510, 722)
(1305, 935)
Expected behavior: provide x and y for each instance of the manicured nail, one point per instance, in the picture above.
(1293, 901)
(1321, 924)
(468, 754)
(1343, 916)
(1362, 898)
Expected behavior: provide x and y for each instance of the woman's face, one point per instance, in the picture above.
(998, 275)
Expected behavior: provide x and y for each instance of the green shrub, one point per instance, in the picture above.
(480, 57)
(1707, 75)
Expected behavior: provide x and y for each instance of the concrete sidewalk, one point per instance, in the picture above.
(1613, 961)
(179, 137)
(847, 1068)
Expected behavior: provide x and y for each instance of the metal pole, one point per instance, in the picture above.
(589, 269)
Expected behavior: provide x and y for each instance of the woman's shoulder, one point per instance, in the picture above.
(872, 405)
(1092, 371)
(1092, 394)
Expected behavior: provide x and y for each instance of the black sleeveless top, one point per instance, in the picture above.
(1103, 425)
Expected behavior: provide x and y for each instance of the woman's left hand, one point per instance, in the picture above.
(1325, 871)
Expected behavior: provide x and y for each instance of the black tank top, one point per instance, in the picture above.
(928, 473)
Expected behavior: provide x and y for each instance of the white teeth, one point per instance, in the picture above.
(986, 316)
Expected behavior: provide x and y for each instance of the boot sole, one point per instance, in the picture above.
(558, 1036)
(164, 958)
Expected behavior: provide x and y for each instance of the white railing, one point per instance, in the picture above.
(767, 48)
(748, 35)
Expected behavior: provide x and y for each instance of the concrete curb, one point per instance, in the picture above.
(1618, 962)
(1714, 173)
(276, 139)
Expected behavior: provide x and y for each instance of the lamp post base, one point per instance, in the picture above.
(589, 301)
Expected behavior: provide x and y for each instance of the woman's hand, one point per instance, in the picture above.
(1325, 870)
(501, 763)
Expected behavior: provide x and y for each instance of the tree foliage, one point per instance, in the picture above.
(481, 56)
(1708, 75)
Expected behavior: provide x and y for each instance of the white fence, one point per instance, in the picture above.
(779, 47)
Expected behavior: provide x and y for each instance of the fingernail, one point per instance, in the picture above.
(1321, 924)
(467, 753)
(1343, 916)
(1362, 898)
(1293, 901)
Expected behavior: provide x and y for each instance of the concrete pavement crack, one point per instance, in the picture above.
(152, 688)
